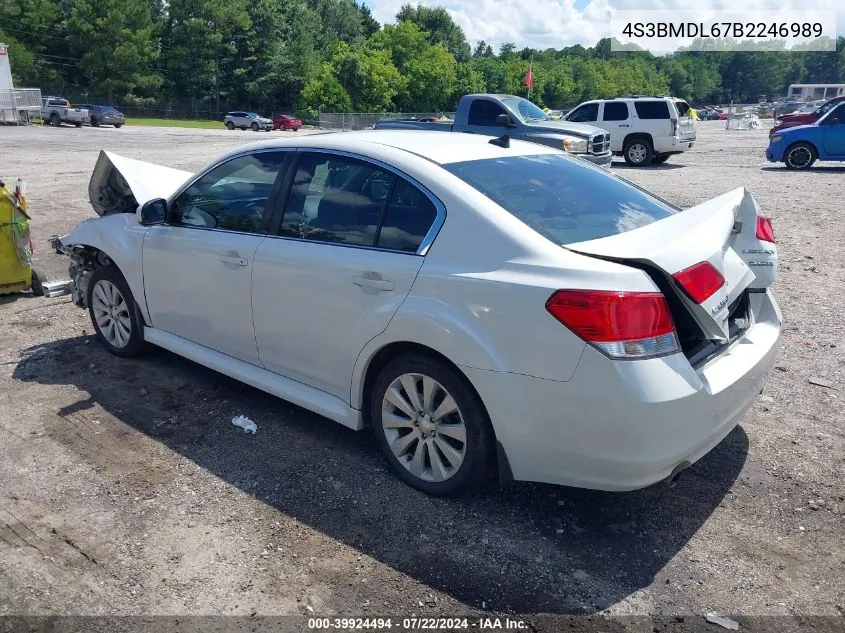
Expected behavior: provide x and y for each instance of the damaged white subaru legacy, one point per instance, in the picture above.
(488, 308)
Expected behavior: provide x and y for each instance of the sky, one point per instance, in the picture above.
(557, 23)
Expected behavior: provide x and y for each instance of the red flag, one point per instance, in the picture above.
(529, 78)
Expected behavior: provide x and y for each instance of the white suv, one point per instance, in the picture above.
(643, 130)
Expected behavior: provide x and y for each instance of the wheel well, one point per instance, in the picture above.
(393, 350)
(636, 135)
(791, 145)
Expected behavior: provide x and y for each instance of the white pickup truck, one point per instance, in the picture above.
(56, 110)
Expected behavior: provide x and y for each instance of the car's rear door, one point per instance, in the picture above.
(198, 266)
(615, 118)
(351, 239)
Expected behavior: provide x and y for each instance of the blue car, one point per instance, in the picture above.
(799, 147)
(104, 115)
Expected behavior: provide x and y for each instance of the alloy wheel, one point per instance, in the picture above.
(424, 427)
(111, 313)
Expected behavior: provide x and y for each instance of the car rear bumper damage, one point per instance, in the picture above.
(625, 425)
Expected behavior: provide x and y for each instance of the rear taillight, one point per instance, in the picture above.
(619, 324)
(700, 281)
(765, 231)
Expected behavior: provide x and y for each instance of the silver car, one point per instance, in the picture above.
(246, 120)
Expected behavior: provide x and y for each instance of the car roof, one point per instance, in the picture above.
(438, 147)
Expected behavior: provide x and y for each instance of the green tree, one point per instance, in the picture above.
(440, 26)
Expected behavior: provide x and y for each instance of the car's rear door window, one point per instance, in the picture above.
(561, 198)
(615, 111)
(407, 218)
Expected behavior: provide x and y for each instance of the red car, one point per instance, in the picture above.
(286, 122)
(805, 118)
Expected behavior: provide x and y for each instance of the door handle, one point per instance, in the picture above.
(624, 125)
(234, 260)
(378, 284)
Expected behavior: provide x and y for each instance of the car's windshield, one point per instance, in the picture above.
(838, 111)
(563, 198)
(252, 115)
(827, 107)
(524, 109)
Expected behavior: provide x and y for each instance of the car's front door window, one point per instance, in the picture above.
(232, 196)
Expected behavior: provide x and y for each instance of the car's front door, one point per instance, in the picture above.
(198, 266)
(351, 241)
(834, 132)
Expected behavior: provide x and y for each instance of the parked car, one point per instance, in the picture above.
(247, 120)
(787, 108)
(517, 118)
(483, 309)
(706, 114)
(286, 122)
(799, 147)
(643, 130)
(104, 115)
(805, 118)
(57, 110)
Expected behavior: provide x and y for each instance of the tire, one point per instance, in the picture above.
(94, 122)
(800, 155)
(447, 466)
(78, 123)
(55, 120)
(284, 128)
(117, 125)
(104, 282)
(659, 159)
(230, 126)
(38, 279)
(254, 127)
(638, 151)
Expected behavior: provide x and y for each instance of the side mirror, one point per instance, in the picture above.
(154, 212)
(503, 120)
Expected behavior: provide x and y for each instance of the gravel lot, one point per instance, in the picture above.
(125, 490)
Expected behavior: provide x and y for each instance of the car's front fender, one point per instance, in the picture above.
(121, 239)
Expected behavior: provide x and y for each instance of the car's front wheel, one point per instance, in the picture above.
(431, 426)
(254, 127)
(95, 122)
(114, 313)
(800, 156)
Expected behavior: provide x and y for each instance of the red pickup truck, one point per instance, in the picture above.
(805, 118)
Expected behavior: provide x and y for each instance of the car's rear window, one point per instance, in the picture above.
(562, 198)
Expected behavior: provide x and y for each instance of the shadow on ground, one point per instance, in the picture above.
(522, 548)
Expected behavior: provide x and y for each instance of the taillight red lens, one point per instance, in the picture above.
(765, 231)
(600, 316)
(700, 281)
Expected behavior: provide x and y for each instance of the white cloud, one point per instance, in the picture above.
(557, 23)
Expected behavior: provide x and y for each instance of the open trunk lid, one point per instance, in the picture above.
(721, 232)
(119, 184)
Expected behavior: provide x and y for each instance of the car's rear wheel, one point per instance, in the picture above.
(638, 151)
(78, 123)
(431, 426)
(230, 125)
(659, 159)
(114, 313)
(254, 127)
(117, 125)
(800, 156)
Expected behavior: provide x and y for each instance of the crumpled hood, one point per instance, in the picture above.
(582, 130)
(119, 184)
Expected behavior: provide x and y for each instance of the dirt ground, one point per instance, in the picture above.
(125, 489)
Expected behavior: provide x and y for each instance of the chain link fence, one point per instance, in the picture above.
(351, 121)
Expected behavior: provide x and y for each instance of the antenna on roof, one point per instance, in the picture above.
(502, 141)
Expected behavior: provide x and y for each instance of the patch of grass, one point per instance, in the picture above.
(193, 123)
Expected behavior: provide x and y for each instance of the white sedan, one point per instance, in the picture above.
(488, 308)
